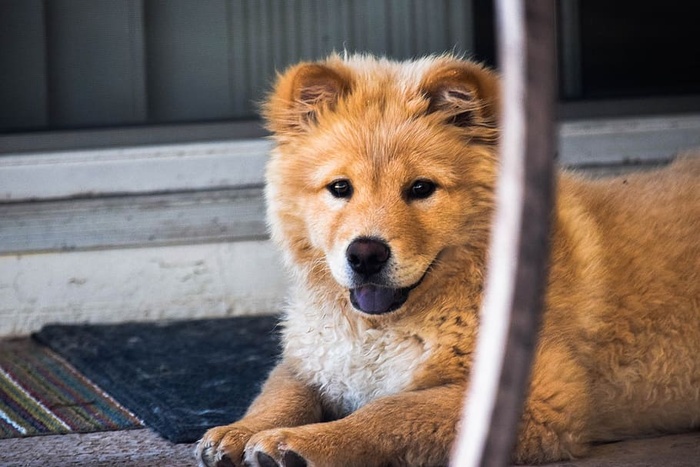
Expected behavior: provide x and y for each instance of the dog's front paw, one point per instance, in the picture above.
(223, 446)
(275, 448)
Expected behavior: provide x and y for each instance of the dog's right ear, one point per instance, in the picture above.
(302, 94)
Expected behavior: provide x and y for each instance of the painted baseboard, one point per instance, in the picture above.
(171, 282)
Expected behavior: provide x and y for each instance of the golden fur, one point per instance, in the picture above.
(359, 143)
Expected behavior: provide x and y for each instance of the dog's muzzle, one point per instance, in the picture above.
(367, 257)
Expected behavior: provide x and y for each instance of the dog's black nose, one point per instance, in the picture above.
(367, 255)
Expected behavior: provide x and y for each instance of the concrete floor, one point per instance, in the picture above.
(143, 448)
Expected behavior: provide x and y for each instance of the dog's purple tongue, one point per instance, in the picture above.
(373, 299)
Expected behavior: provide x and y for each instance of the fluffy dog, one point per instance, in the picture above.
(380, 193)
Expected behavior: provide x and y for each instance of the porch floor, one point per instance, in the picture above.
(142, 447)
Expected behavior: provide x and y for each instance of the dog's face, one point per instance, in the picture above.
(380, 169)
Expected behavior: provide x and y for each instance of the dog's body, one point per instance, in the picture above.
(380, 194)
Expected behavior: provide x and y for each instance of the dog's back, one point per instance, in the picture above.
(633, 243)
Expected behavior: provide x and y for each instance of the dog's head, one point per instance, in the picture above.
(380, 170)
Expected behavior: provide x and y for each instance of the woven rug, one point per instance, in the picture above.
(180, 378)
(40, 393)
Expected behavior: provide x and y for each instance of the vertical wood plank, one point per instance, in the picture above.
(94, 66)
(188, 60)
(278, 30)
(238, 57)
(435, 27)
(570, 53)
(460, 24)
(512, 305)
(23, 97)
(306, 29)
(400, 42)
(376, 26)
(333, 18)
(256, 54)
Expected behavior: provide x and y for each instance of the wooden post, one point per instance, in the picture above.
(511, 311)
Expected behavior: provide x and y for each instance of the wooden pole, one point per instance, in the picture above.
(511, 312)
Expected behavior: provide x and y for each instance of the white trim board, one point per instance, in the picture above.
(134, 170)
(628, 140)
(210, 216)
(225, 164)
(173, 282)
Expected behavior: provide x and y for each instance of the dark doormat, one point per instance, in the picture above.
(180, 377)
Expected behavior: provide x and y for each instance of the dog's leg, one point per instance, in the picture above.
(283, 402)
(412, 428)
(555, 423)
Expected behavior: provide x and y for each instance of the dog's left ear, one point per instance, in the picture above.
(302, 93)
(465, 95)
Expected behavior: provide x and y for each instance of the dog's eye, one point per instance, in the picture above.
(340, 188)
(421, 189)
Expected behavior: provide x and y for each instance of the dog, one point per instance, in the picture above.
(380, 194)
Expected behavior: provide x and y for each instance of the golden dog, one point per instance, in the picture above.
(381, 194)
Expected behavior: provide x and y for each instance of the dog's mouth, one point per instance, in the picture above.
(377, 300)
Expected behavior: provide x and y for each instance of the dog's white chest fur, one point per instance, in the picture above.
(350, 363)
